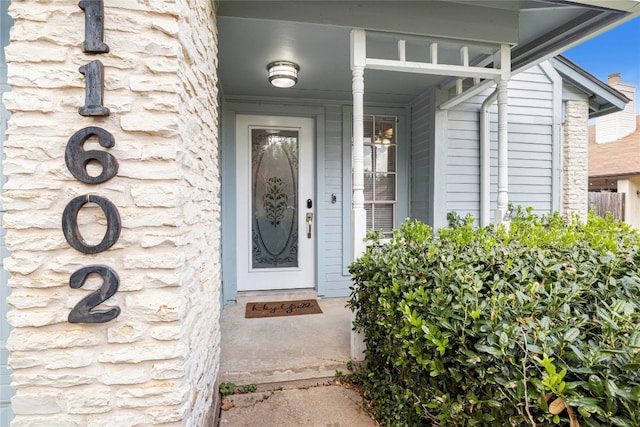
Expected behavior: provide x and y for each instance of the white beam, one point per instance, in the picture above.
(433, 49)
(434, 69)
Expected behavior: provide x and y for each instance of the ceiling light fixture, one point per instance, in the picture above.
(283, 73)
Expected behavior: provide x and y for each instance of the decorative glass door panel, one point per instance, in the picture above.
(274, 192)
(274, 182)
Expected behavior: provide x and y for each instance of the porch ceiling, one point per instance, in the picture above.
(315, 35)
(246, 46)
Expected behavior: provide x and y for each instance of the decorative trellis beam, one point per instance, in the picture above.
(433, 69)
(503, 72)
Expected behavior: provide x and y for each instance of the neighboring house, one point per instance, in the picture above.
(614, 153)
(226, 184)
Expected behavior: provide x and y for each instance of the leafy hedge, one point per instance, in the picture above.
(486, 327)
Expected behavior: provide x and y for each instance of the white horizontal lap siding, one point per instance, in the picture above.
(530, 122)
(334, 281)
(463, 158)
(422, 135)
(530, 142)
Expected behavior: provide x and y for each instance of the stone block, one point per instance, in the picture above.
(33, 318)
(119, 104)
(124, 375)
(23, 262)
(160, 260)
(129, 419)
(167, 25)
(49, 380)
(161, 280)
(166, 415)
(23, 75)
(160, 65)
(68, 264)
(158, 394)
(125, 333)
(89, 400)
(142, 218)
(42, 402)
(21, 300)
(154, 240)
(51, 421)
(167, 370)
(156, 195)
(27, 102)
(156, 306)
(23, 339)
(17, 200)
(163, 7)
(21, 168)
(154, 84)
(150, 170)
(163, 102)
(151, 124)
(37, 242)
(146, 46)
(31, 53)
(166, 333)
(140, 353)
(51, 359)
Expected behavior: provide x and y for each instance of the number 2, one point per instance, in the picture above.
(82, 313)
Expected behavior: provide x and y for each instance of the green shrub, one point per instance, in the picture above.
(488, 327)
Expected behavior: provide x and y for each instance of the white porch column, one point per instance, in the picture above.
(503, 135)
(358, 214)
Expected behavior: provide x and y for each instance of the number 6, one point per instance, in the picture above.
(77, 159)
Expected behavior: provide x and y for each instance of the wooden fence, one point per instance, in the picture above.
(607, 202)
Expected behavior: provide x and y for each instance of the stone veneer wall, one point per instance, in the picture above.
(575, 161)
(157, 362)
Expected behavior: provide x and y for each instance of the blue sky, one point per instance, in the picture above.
(616, 51)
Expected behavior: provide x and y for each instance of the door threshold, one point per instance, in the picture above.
(276, 295)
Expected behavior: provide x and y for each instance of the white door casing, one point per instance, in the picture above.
(274, 158)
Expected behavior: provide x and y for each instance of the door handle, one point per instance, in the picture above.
(309, 224)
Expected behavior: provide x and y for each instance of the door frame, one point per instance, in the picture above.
(230, 107)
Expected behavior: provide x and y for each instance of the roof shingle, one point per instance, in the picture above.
(617, 158)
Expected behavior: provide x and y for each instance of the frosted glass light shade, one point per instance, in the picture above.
(283, 74)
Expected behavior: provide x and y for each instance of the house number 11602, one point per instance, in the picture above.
(77, 159)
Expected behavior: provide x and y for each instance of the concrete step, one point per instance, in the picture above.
(281, 349)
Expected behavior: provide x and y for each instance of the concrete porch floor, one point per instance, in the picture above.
(280, 349)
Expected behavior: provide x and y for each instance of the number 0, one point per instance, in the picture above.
(72, 232)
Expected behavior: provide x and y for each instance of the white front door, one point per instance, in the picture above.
(275, 204)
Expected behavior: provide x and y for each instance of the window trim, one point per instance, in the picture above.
(403, 170)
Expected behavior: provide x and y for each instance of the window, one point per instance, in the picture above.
(380, 148)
